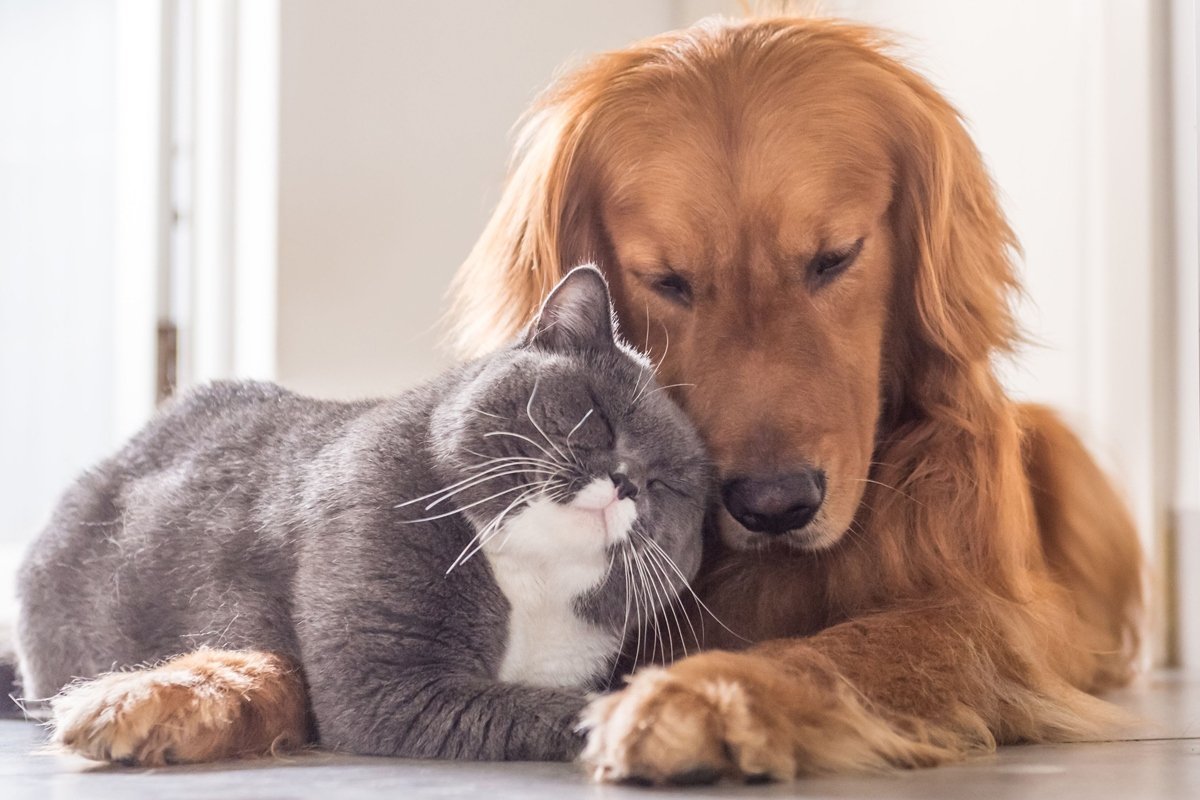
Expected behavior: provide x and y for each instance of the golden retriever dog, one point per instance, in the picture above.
(908, 566)
(801, 230)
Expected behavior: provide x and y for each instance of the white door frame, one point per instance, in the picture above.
(1184, 35)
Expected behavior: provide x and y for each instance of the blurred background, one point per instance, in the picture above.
(282, 189)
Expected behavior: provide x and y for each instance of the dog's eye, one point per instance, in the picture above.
(673, 287)
(830, 263)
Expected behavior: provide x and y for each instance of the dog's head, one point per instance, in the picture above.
(795, 224)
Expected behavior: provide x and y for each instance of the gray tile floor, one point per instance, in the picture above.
(1160, 760)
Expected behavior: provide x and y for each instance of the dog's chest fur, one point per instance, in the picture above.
(542, 559)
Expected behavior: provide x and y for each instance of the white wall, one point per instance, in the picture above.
(1185, 139)
(57, 239)
(394, 122)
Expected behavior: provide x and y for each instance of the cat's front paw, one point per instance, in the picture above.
(204, 706)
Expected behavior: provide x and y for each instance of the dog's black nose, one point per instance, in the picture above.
(775, 504)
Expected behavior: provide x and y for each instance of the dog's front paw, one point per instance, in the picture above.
(147, 717)
(669, 727)
(206, 705)
(750, 717)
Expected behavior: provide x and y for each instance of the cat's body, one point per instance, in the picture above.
(246, 516)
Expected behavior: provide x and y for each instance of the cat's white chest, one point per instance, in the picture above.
(542, 559)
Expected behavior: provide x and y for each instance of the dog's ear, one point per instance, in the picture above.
(539, 228)
(956, 247)
(577, 315)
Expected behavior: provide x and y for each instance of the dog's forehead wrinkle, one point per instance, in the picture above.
(764, 237)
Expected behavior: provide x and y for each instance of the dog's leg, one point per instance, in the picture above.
(202, 706)
(895, 689)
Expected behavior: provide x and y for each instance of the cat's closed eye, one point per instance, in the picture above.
(593, 430)
(659, 484)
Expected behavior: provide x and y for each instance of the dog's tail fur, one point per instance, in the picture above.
(1089, 541)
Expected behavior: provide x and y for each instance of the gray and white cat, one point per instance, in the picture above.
(345, 535)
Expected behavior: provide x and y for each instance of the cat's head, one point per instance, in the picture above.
(566, 446)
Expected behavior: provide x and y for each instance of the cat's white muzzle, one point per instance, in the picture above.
(614, 515)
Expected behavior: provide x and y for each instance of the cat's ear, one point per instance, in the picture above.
(577, 314)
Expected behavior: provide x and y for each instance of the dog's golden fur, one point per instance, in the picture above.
(971, 575)
(202, 706)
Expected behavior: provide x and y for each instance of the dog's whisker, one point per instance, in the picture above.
(893, 488)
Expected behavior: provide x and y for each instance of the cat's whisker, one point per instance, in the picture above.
(660, 621)
(514, 460)
(509, 533)
(474, 476)
(664, 597)
(666, 349)
(696, 637)
(485, 479)
(624, 625)
(570, 449)
(461, 509)
(479, 481)
(664, 388)
(490, 459)
(651, 609)
(534, 422)
(638, 607)
(525, 438)
(646, 345)
(665, 579)
(673, 604)
(493, 526)
(638, 615)
(582, 420)
(674, 567)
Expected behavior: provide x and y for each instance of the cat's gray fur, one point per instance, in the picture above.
(246, 516)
